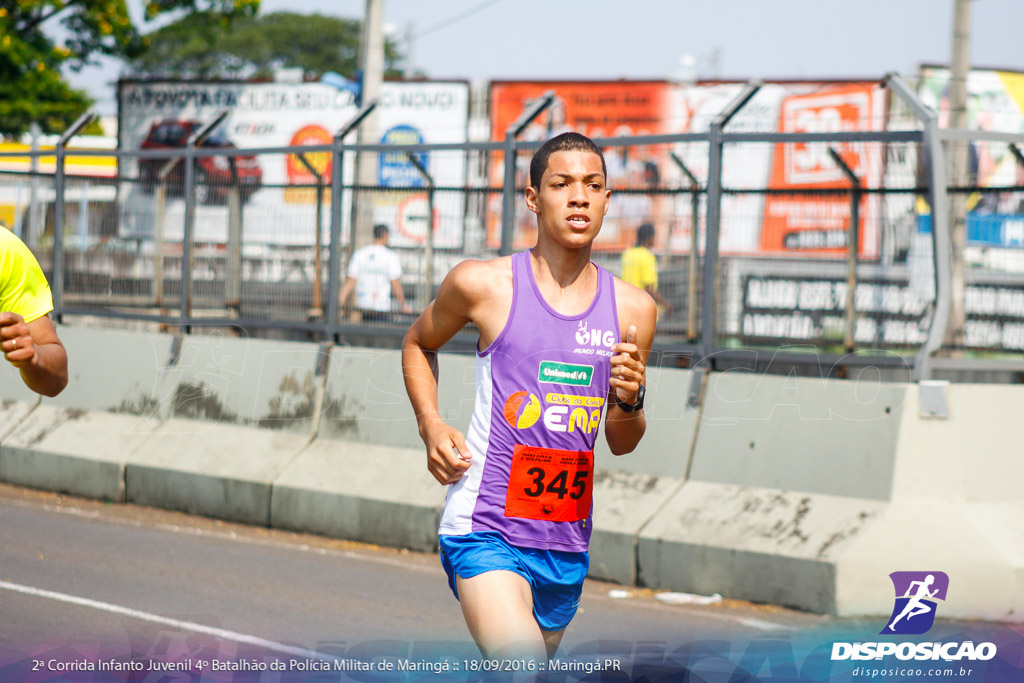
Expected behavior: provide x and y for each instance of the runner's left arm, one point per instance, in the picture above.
(638, 315)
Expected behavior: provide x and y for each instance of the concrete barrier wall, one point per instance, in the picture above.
(80, 441)
(360, 492)
(810, 493)
(240, 411)
(794, 491)
(16, 400)
(831, 437)
(367, 468)
(630, 489)
(365, 398)
(956, 506)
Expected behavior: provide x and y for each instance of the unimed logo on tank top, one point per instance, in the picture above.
(593, 341)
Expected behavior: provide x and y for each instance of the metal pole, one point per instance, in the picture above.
(428, 289)
(959, 166)
(371, 63)
(57, 277)
(190, 215)
(334, 255)
(508, 210)
(233, 284)
(159, 229)
(942, 245)
(853, 242)
(334, 247)
(508, 197)
(318, 307)
(691, 293)
(713, 220)
(35, 228)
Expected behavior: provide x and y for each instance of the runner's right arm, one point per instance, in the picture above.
(36, 351)
(442, 319)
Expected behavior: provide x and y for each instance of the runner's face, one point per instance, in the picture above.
(572, 199)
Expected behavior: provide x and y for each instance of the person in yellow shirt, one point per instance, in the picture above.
(28, 338)
(640, 268)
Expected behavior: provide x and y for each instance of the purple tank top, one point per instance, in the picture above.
(541, 389)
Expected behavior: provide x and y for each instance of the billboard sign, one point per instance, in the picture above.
(595, 109)
(820, 225)
(995, 103)
(289, 114)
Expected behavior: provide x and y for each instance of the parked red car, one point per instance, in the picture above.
(214, 175)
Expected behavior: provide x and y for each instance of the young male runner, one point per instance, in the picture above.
(561, 342)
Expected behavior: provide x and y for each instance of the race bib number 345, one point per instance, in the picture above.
(550, 484)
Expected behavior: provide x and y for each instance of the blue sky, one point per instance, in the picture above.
(481, 40)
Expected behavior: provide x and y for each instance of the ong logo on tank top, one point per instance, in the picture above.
(593, 341)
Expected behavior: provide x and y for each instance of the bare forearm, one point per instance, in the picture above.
(624, 430)
(419, 367)
(399, 294)
(346, 290)
(48, 373)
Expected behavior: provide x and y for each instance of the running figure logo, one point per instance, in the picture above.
(522, 410)
(916, 593)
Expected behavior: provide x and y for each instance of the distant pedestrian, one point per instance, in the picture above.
(375, 274)
(27, 336)
(640, 268)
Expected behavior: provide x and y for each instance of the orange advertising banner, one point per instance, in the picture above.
(818, 225)
(595, 109)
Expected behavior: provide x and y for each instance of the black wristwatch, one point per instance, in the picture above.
(636, 405)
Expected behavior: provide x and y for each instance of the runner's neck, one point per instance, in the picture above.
(565, 269)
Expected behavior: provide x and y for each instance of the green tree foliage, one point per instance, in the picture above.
(31, 85)
(202, 46)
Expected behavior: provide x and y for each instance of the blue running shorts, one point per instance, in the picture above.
(555, 576)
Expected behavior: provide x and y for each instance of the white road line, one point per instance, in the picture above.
(174, 623)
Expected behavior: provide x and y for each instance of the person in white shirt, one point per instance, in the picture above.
(375, 273)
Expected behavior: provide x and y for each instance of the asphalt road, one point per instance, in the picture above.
(84, 583)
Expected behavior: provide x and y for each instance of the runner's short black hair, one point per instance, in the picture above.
(566, 142)
(379, 231)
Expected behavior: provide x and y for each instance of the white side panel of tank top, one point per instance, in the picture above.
(457, 518)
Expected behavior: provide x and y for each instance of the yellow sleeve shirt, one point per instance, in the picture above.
(640, 268)
(23, 287)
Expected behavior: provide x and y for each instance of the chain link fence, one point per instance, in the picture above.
(843, 260)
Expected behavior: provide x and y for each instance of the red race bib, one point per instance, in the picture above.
(550, 484)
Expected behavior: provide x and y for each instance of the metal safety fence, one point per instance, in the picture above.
(856, 259)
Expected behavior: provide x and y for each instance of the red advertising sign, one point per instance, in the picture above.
(595, 109)
(803, 224)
